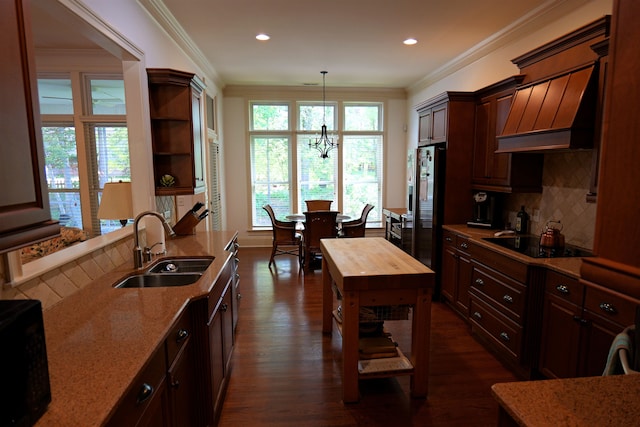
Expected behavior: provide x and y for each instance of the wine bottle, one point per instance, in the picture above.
(522, 221)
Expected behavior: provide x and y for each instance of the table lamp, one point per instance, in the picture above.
(116, 202)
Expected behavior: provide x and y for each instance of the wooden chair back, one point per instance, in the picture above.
(357, 227)
(318, 225)
(318, 205)
(285, 239)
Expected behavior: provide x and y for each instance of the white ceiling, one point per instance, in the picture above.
(358, 42)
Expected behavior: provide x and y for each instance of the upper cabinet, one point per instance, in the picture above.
(24, 202)
(433, 123)
(501, 172)
(176, 131)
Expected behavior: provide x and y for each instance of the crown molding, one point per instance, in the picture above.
(532, 21)
(165, 19)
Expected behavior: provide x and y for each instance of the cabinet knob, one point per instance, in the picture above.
(145, 393)
(477, 315)
(563, 289)
(175, 384)
(507, 298)
(237, 260)
(182, 335)
(464, 246)
(236, 245)
(608, 308)
(239, 296)
(479, 282)
(224, 307)
(505, 336)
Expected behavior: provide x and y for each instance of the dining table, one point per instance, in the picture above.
(301, 218)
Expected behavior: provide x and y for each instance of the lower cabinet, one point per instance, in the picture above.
(184, 382)
(504, 308)
(456, 271)
(580, 321)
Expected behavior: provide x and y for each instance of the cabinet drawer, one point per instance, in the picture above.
(564, 287)
(462, 243)
(496, 327)
(449, 238)
(507, 293)
(611, 306)
(141, 391)
(179, 336)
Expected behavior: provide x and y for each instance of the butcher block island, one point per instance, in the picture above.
(370, 273)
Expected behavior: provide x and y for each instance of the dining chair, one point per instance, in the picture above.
(356, 228)
(318, 225)
(286, 240)
(318, 205)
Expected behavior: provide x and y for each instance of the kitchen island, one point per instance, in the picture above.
(588, 401)
(373, 272)
(100, 338)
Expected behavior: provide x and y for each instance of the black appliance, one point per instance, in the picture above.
(486, 211)
(530, 246)
(24, 389)
(427, 206)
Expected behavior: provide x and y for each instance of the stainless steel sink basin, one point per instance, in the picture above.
(181, 265)
(158, 280)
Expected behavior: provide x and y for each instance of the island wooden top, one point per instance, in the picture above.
(370, 263)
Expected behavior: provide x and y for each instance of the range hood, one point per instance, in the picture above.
(557, 113)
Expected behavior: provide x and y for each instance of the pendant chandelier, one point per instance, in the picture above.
(323, 144)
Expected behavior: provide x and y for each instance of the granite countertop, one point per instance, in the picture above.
(589, 401)
(99, 338)
(569, 266)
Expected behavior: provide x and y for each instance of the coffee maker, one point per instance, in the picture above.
(486, 211)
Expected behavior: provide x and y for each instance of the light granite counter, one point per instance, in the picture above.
(590, 401)
(99, 338)
(569, 266)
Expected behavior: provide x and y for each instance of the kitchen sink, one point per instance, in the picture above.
(158, 280)
(181, 265)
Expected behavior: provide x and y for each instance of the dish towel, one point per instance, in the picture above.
(614, 365)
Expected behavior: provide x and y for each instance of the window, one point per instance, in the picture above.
(286, 170)
(85, 145)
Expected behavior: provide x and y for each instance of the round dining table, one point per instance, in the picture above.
(301, 217)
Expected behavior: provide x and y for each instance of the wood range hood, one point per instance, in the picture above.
(555, 113)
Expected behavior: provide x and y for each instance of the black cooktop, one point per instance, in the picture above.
(530, 246)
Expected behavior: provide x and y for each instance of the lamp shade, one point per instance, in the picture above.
(116, 201)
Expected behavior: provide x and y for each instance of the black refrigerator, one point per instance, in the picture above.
(428, 193)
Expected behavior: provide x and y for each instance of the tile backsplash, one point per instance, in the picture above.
(565, 184)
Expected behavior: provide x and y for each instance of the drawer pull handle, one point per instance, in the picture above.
(608, 308)
(239, 297)
(505, 337)
(507, 298)
(479, 282)
(182, 335)
(145, 393)
(464, 246)
(448, 239)
(477, 315)
(563, 289)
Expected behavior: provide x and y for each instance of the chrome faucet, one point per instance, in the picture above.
(138, 261)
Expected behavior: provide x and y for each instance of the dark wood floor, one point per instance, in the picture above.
(287, 373)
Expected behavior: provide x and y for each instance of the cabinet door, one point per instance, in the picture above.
(560, 338)
(183, 388)
(481, 146)
(157, 412)
(596, 343)
(439, 123)
(424, 127)
(499, 164)
(227, 328)
(216, 352)
(465, 271)
(198, 146)
(449, 277)
(24, 202)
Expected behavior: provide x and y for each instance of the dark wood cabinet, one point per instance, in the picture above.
(505, 307)
(432, 123)
(24, 202)
(176, 130)
(236, 296)
(501, 172)
(456, 272)
(579, 324)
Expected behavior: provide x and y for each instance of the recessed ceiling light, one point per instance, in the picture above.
(263, 37)
(410, 41)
